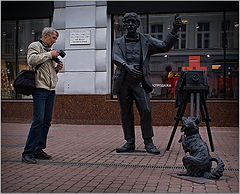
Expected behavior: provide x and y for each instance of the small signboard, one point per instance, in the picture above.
(80, 36)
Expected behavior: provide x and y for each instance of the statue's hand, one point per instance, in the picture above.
(177, 23)
(133, 71)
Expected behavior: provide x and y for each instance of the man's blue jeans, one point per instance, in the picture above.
(43, 101)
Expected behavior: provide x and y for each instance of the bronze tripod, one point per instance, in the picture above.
(196, 95)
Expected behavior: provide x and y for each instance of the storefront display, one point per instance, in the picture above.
(200, 47)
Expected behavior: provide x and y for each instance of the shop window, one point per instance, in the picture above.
(8, 58)
(199, 47)
(16, 36)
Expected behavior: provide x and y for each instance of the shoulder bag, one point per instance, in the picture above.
(25, 81)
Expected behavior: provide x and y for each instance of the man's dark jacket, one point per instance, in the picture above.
(149, 46)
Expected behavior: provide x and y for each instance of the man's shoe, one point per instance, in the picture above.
(151, 148)
(29, 159)
(127, 147)
(42, 155)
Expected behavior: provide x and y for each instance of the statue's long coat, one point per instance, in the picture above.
(149, 46)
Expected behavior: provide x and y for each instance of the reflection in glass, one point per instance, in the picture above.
(200, 47)
(16, 36)
(8, 58)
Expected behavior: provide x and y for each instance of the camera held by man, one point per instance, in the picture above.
(62, 54)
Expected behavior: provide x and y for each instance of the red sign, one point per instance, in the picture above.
(194, 64)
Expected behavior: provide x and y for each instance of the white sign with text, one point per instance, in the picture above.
(80, 36)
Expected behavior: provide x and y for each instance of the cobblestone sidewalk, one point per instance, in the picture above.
(85, 161)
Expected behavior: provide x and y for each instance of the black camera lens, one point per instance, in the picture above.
(195, 77)
(62, 53)
(57, 60)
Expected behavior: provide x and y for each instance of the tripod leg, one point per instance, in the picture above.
(192, 104)
(202, 112)
(207, 119)
(178, 118)
(197, 105)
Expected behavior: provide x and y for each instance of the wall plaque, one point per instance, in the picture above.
(80, 36)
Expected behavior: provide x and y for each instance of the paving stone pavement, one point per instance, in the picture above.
(84, 161)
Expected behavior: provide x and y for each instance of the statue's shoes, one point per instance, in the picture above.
(151, 148)
(127, 147)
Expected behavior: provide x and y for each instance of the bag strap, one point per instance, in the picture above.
(47, 48)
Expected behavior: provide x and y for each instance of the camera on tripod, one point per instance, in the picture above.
(192, 87)
(195, 78)
(62, 54)
(192, 80)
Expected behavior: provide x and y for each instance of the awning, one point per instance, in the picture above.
(121, 7)
(12, 10)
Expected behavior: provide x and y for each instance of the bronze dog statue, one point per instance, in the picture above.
(199, 162)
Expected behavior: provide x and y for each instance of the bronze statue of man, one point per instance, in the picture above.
(131, 54)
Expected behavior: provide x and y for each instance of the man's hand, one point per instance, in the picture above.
(177, 23)
(132, 70)
(54, 53)
(59, 67)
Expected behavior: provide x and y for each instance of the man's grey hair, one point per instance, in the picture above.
(49, 30)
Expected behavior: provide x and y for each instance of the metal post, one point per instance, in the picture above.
(224, 55)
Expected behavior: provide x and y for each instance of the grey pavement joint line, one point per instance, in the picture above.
(110, 165)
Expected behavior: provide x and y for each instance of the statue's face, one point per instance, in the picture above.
(131, 24)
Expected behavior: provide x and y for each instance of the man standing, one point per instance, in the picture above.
(39, 52)
(131, 55)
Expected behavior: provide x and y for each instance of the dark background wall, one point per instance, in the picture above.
(12, 10)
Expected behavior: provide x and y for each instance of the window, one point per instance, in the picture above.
(16, 36)
(181, 43)
(199, 47)
(157, 30)
(202, 35)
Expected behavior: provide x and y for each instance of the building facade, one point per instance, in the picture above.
(208, 40)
